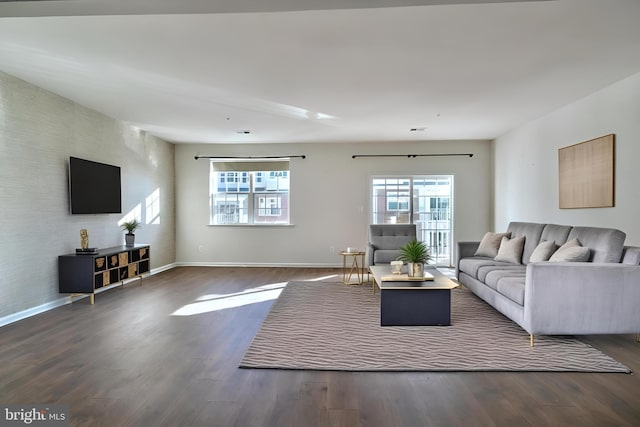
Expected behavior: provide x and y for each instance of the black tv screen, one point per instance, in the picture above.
(94, 187)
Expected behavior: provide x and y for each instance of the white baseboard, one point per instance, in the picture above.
(33, 311)
(11, 318)
(163, 268)
(256, 264)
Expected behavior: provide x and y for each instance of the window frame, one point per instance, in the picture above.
(418, 187)
(246, 182)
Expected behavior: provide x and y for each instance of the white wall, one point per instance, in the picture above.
(526, 162)
(39, 131)
(330, 200)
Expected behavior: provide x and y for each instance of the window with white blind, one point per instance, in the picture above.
(249, 192)
(424, 200)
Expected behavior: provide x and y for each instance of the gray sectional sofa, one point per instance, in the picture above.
(600, 295)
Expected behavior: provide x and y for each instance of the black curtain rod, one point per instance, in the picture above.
(250, 157)
(412, 155)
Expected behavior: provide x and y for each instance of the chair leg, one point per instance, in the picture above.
(531, 340)
(638, 337)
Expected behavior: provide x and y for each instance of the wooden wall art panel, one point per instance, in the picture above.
(586, 174)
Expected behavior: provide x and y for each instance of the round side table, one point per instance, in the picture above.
(355, 265)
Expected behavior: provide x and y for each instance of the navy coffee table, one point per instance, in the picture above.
(412, 302)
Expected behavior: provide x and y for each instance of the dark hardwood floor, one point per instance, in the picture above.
(131, 360)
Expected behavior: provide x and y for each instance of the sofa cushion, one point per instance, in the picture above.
(490, 243)
(510, 250)
(486, 269)
(606, 244)
(492, 278)
(531, 231)
(391, 236)
(512, 288)
(385, 256)
(555, 233)
(543, 251)
(471, 265)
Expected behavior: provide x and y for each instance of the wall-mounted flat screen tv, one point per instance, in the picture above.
(94, 188)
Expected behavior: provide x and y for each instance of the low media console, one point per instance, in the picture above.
(83, 274)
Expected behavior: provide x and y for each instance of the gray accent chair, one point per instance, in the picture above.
(385, 240)
(600, 296)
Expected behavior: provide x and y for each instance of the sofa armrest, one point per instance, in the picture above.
(465, 250)
(368, 254)
(581, 298)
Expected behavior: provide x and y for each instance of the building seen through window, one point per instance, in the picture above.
(249, 196)
(422, 200)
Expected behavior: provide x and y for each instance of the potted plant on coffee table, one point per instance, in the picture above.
(130, 227)
(416, 255)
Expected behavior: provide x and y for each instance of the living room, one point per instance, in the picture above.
(512, 176)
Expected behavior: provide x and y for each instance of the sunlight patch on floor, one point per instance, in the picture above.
(318, 279)
(215, 302)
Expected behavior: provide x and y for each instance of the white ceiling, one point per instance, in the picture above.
(314, 70)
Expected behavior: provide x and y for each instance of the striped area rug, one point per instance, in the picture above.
(330, 326)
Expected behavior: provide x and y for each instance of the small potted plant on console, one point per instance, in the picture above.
(130, 227)
(416, 255)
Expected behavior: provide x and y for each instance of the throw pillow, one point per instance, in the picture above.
(571, 251)
(511, 250)
(490, 244)
(570, 244)
(543, 251)
(631, 256)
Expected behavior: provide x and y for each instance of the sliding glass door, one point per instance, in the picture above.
(424, 200)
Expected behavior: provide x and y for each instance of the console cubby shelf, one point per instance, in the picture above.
(83, 274)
